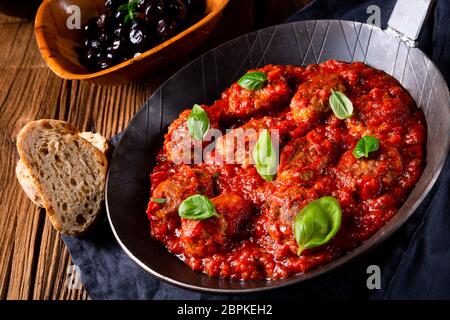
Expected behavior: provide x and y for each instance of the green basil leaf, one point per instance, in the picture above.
(197, 207)
(366, 145)
(317, 223)
(253, 80)
(341, 105)
(198, 123)
(266, 159)
(158, 200)
(133, 5)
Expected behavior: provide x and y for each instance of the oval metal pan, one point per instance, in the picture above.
(202, 81)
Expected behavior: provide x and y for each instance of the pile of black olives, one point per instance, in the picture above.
(125, 29)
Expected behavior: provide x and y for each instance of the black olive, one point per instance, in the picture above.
(101, 21)
(154, 10)
(176, 10)
(103, 38)
(166, 27)
(92, 43)
(90, 57)
(119, 31)
(138, 35)
(138, 23)
(119, 17)
(91, 26)
(92, 54)
(104, 21)
(142, 4)
(105, 61)
(114, 4)
(118, 46)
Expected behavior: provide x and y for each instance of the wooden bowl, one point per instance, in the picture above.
(58, 43)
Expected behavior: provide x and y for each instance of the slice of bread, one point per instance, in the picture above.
(28, 183)
(66, 173)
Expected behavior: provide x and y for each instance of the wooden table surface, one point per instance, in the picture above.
(33, 259)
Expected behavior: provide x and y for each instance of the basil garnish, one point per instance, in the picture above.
(317, 223)
(197, 207)
(366, 145)
(198, 123)
(341, 105)
(266, 160)
(131, 8)
(253, 80)
(158, 200)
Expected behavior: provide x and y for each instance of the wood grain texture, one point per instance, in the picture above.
(33, 258)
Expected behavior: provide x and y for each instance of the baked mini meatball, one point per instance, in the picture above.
(179, 146)
(275, 225)
(305, 158)
(244, 104)
(369, 177)
(311, 100)
(203, 237)
(183, 184)
(236, 147)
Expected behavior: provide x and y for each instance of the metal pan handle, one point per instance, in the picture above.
(408, 17)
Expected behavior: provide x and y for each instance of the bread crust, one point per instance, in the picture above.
(96, 139)
(27, 182)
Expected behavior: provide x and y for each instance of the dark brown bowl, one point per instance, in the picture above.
(298, 43)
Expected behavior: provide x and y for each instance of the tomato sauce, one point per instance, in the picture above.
(254, 238)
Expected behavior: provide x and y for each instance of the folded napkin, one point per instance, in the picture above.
(414, 262)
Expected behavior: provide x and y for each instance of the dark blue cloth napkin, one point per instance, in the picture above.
(414, 263)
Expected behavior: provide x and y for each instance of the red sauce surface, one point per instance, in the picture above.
(253, 238)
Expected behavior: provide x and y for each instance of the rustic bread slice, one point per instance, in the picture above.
(68, 173)
(26, 180)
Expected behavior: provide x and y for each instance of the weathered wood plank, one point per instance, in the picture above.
(33, 94)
